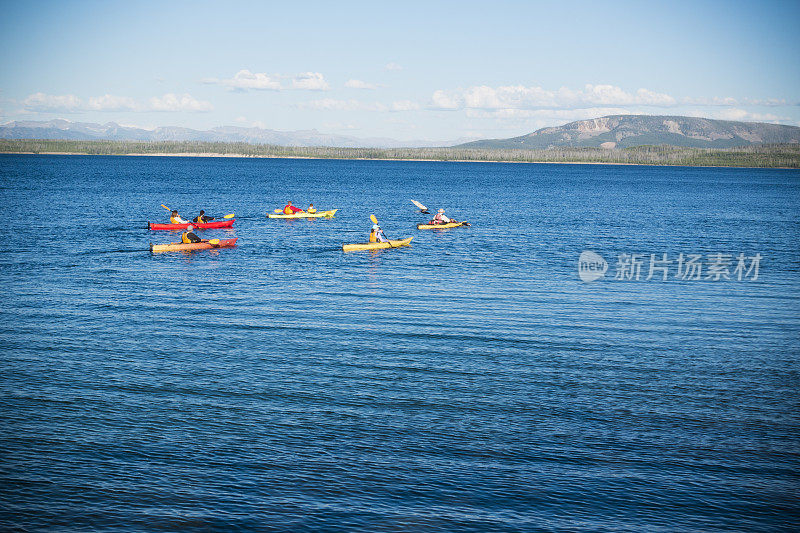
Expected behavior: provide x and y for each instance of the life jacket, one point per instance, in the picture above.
(312, 210)
(372, 236)
(199, 219)
(287, 210)
(189, 238)
(174, 220)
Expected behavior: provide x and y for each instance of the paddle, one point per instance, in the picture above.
(167, 208)
(422, 208)
(213, 242)
(230, 216)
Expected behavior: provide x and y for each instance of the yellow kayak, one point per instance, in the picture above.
(304, 214)
(442, 226)
(375, 245)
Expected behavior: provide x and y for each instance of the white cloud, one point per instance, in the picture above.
(45, 103)
(404, 105)
(331, 104)
(548, 114)
(68, 103)
(178, 102)
(111, 103)
(741, 114)
(392, 66)
(713, 101)
(312, 81)
(358, 84)
(442, 100)
(521, 97)
(768, 102)
(245, 80)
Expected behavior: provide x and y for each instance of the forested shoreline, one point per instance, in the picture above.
(768, 156)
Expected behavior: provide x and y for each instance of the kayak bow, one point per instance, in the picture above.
(196, 225)
(181, 247)
(304, 214)
(375, 245)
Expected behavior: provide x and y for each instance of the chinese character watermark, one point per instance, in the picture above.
(689, 266)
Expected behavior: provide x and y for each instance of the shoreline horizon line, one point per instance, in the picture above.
(421, 160)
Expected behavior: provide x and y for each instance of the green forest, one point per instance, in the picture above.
(774, 156)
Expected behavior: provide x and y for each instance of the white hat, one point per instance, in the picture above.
(190, 228)
(375, 226)
(441, 210)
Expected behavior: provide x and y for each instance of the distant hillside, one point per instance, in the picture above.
(87, 131)
(624, 131)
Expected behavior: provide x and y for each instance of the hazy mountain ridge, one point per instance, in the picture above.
(111, 131)
(623, 131)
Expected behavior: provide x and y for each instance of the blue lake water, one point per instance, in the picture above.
(470, 382)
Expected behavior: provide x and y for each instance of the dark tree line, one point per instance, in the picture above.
(776, 155)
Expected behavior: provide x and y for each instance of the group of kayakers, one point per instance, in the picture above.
(189, 237)
(376, 234)
(175, 218)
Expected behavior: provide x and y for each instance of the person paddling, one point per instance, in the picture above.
(440, 218)
(175, 218)
(376, 234)
(290, 209)
(202, 217)
(312, 209)
(189, 237)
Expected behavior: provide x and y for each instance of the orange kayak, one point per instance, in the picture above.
(181, 247)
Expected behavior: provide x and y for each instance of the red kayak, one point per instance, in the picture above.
(197, 225)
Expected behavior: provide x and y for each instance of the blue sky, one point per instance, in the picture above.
(406, 70)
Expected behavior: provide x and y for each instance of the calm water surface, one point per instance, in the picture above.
(470, 382)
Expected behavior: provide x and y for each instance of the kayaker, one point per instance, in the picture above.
(312, 209)
(189, 237)
(175, 218)
(376, 234)
(290, 209)
(440, 218)
(202, 217)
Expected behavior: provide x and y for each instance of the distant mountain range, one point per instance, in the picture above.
(623, 131)
(616, 131)
(87, 131)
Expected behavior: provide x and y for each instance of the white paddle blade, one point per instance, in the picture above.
(416, 203)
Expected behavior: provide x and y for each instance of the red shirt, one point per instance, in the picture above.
(292, 208)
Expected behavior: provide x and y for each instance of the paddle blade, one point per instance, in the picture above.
(230, 216)
(278, 211)
(373, 219)
(416, 203)
(213, 241)
(165, 207)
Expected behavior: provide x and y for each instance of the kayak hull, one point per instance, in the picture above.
(318, 214)
(442, 226)
(181, 247)
(376, 245)
(196, 225)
